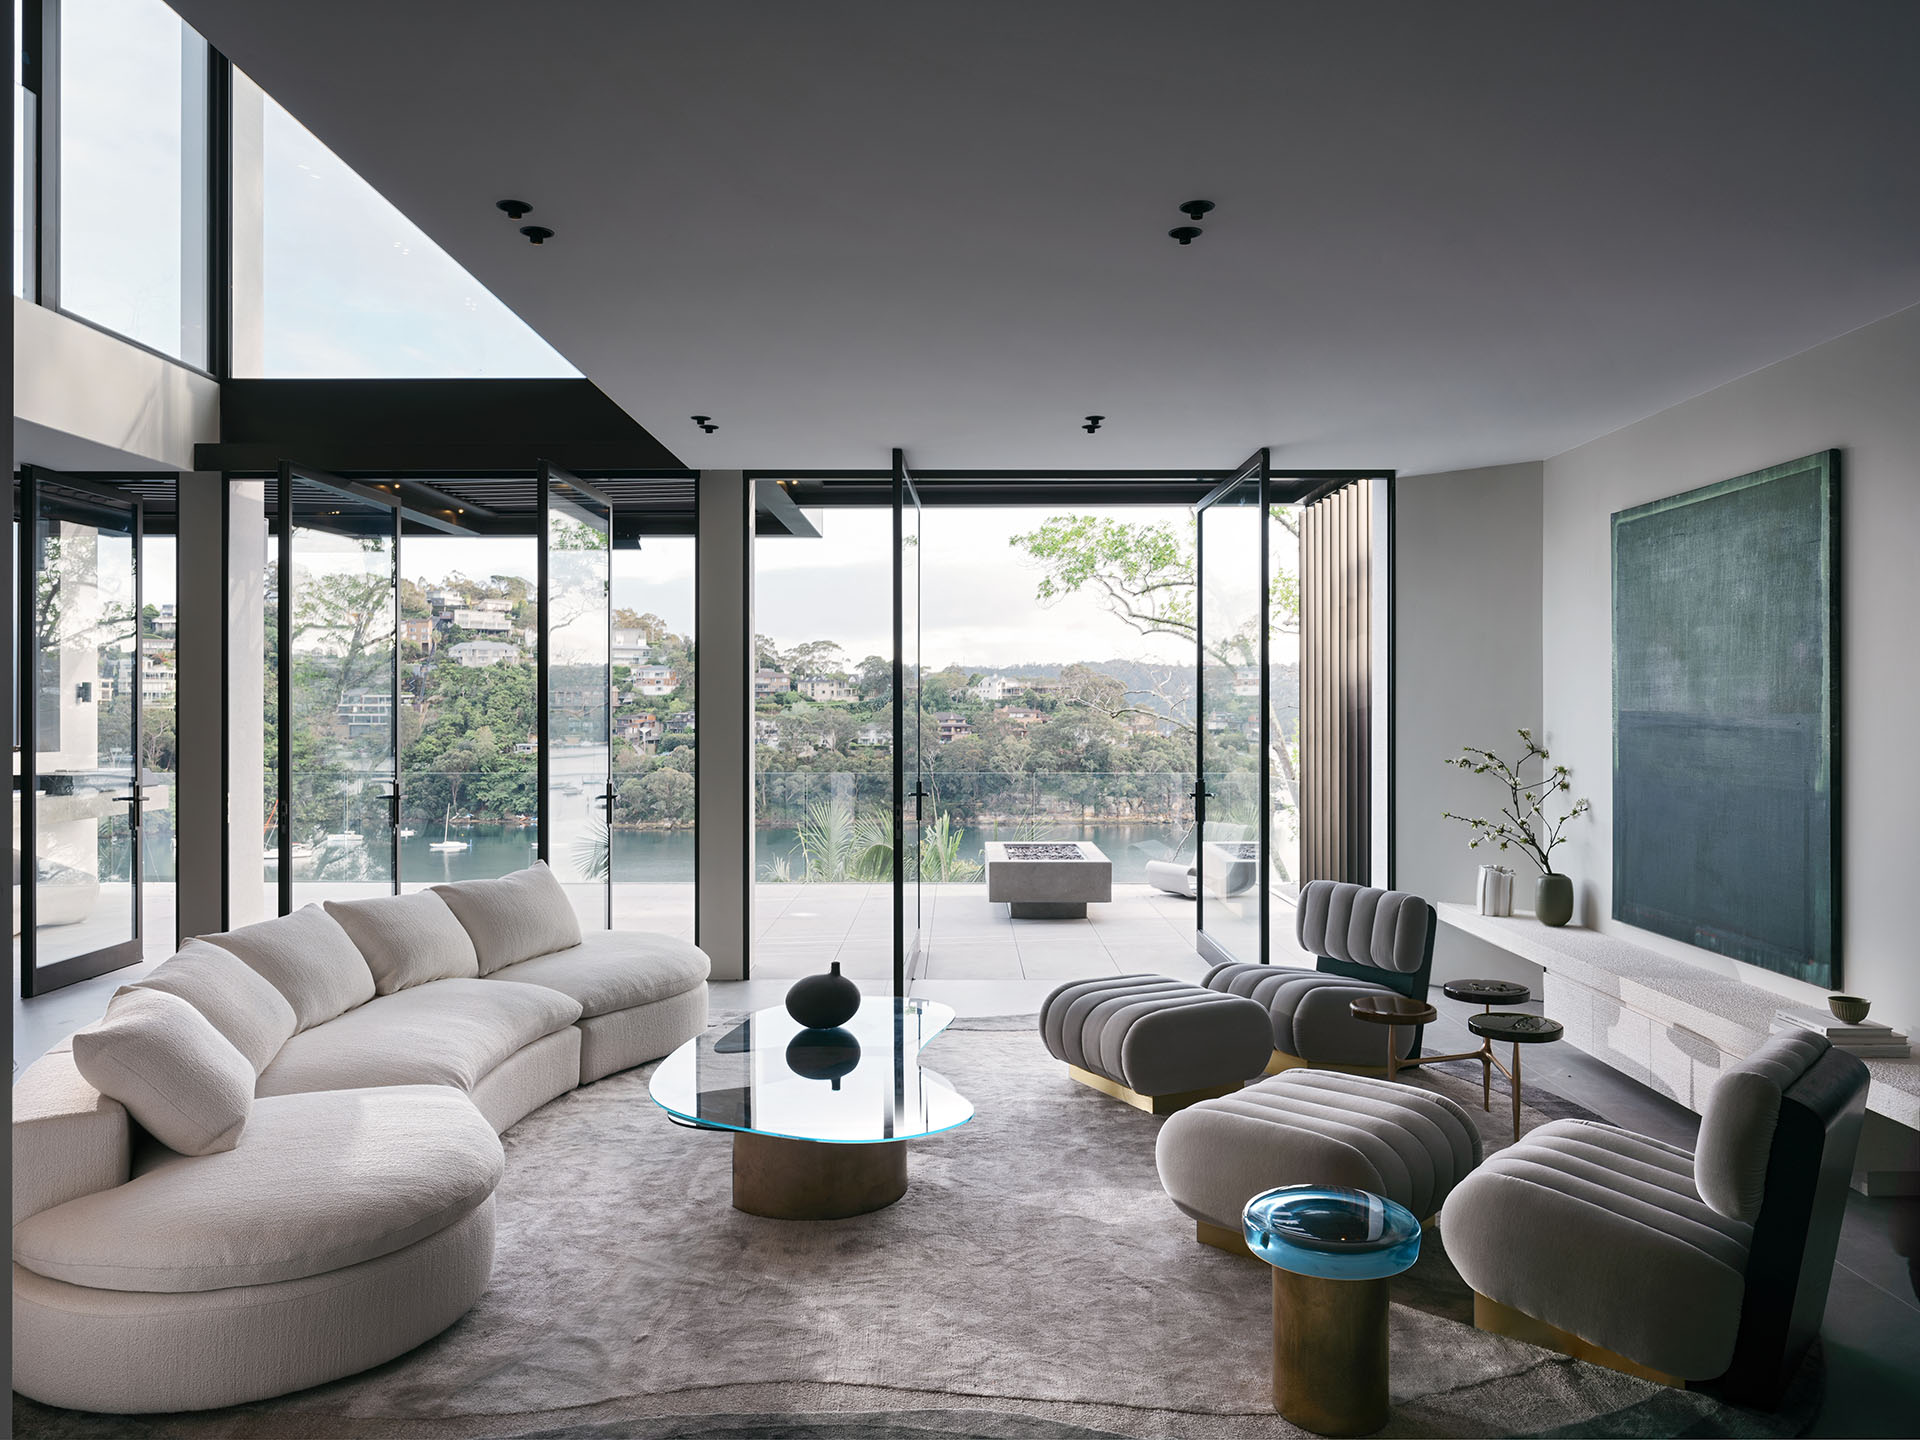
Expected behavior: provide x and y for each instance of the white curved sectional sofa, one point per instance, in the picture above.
(272, 1163)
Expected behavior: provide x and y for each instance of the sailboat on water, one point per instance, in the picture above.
(445, 844)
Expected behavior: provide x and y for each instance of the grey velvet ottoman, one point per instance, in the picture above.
(1158, 1044)
(1313, 1127)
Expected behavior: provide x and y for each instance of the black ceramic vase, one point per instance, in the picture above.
(823, 1055)
(822, 1001)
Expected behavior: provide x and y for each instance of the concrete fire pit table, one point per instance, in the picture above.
(1048, 879)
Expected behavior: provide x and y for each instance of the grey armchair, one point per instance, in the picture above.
(1367, 942)
(1707, 1269)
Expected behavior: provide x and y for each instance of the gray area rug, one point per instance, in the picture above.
(1034, 1284)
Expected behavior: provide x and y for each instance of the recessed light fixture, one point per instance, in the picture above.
(1195, 209)
(540, 234)
(1093, 423)
(705, 422)
(514, 208)
(1186, 234)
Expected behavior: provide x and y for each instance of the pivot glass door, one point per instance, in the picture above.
(1231, 797)
(575, 677)
(80, 653)
(910, 788)
(335, 660)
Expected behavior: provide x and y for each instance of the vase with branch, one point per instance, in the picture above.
(1532, 821)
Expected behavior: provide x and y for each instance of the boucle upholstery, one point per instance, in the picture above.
(514, 918)
(322, 1182)
(407, 939)
(308, 958)
(602, 974)
(1601, 1232)
(68, 1138)
(626, 1038)
(166, 1352)
(449, 1033)
(240, 1002)
(1736, 1129)
(1315, 1127)
(1154, 1035)
(529, 1078)
(177, 1075)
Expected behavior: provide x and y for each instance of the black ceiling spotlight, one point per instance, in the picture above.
(536, 234)
(1093, 423)
(1185, 234)
(705, 422)
(1195, 209)
(514, 208)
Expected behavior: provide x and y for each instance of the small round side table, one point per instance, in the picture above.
(1486, 993)
(1520, 1029)
(1332, 1251)
(1392, 1011)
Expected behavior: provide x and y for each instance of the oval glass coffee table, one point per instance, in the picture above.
(820, 1118)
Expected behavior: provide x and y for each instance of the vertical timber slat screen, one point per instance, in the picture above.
(1336, 685)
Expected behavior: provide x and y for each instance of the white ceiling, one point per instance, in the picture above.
(1448, 234)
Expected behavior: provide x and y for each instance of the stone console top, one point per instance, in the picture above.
(1733, 1015)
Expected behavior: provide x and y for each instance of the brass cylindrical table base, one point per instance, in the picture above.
(810, 1180)
(1330, 1353)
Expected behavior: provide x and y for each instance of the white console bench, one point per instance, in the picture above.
(1670, 1025)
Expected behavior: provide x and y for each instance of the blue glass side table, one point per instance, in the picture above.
(1332, 1251)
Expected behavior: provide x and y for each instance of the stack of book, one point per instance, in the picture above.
(1868, 1039)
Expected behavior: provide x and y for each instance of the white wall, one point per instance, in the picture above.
(1860, 393)
(1467, 639)
(81, 382)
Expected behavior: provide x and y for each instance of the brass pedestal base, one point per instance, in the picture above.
(1498, 1319)
(1282, 1061)
(1231, 1241)
(807, 1180)
(1152, 1104)
(1330, 1353)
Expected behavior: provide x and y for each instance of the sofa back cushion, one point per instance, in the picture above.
(239, 1002)
(1359, 925)
(1736, 1128)
(309, 959)
(515, 918)
(178, 1076)
(407, 939)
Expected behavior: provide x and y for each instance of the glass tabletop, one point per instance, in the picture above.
(859, 1084)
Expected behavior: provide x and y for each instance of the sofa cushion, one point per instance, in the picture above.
(447, 1032)
(178, 1076)
(1600, 1232)
(1736, 1129)
(515, 917)
(1312, 1013)
(615, 970)
(319, 1182)
(407, 939)
(308, 958)
(241, 1003)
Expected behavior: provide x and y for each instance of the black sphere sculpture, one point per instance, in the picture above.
(823, 1001)
(823, 1054)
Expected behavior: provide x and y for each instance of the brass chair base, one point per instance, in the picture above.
(1497, 1319)
(786, 1179)
(1231, 1241)
(1283, 1061)
(1152, 1104)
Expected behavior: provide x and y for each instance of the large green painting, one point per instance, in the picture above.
(1725, 718)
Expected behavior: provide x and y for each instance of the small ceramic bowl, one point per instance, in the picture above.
(1849, 1009)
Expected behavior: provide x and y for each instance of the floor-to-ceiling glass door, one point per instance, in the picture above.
(79, 692)
(335, 664)
(910, 787)
(575, 689)
(1232, 715)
